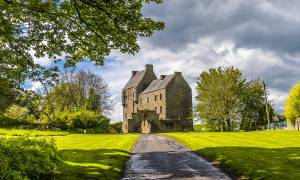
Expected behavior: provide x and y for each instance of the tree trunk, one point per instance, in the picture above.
(242, 124)
(228, 125)
(222, 125)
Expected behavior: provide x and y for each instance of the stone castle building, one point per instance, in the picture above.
(156, 104)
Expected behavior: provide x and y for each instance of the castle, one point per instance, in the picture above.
(151, 104)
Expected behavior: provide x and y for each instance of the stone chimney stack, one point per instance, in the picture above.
(176, 73)
(133, 73)
(162, 77)
(149, 67)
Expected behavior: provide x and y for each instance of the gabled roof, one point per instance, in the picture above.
(158, 84)
(134, 81)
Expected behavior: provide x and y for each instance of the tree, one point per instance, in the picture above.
(226, 100)
(7, 94)
(218, 93)
(292, 104)
(77, 28)
(73, 30)
(80, 90)
(252, 104)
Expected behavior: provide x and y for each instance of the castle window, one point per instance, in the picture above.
(160, 109)
(125, 115)
(147, 99)
(160, 96)
(155, 109)
(155, 97)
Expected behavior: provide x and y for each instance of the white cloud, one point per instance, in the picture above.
(35, 86)
(43, 61)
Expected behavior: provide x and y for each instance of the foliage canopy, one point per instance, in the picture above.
(292, 104)
(73, 30)
(226, 100)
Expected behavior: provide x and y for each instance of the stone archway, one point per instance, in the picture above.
(145, 127)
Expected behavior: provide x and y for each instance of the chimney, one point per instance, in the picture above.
(162, 77)
(177, 73)
(149, 67)
(133, 73)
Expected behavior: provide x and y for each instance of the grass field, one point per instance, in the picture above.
(87, 156)
(253, 155)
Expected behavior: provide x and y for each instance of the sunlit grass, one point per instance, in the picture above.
(94, 156)
(87, 156)
(254, 155)
(19, 132)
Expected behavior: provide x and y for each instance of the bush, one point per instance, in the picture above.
(25, 158)
(201, 128)
(115, 128)
(80, 120)
(90, 120)
(15, 116)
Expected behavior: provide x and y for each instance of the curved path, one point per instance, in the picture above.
(159, 157)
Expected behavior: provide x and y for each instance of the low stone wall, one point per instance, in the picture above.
(175, 125)
(293, 126)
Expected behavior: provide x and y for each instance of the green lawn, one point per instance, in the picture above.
(87, 156)
(19, 132)
(253, 155)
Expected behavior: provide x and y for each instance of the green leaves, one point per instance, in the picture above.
(73, 30)
(292, 104)
(78, 28)
(226, 99)
(28, 158)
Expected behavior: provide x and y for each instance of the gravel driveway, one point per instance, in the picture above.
(159, 157)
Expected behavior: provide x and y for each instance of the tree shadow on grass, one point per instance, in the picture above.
(256, 162)
(92, 164)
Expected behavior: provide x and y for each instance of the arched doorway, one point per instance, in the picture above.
(145, 127)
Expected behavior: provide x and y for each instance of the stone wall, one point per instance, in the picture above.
(131, 95)
(154, 101)
(179, 99)
(293, 126)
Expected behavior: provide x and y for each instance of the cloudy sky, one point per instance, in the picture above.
(260, 37)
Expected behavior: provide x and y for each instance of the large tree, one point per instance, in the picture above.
(218, 93)
(226, 100)
(80, 90)
(292, 104)
(70, 29)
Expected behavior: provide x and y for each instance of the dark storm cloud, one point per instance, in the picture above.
(271, 25)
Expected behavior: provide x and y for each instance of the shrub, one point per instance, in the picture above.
(85, 119)
(25, 158)
(115, 128)
(201, 127)
(79, 120)
(16, 115)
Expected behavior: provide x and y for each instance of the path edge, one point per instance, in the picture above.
(121, 176)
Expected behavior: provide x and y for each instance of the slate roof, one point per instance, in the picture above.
(134, 81)
(158, 84)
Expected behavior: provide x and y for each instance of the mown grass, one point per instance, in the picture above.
(249, 155)
(87, 156)
(20, 132)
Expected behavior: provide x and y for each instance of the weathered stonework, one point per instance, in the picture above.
(293, 126)
(168, 99)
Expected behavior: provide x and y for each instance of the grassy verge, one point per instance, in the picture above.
(87, 156)
(19, 132)
(94, 156)
(253, 155)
